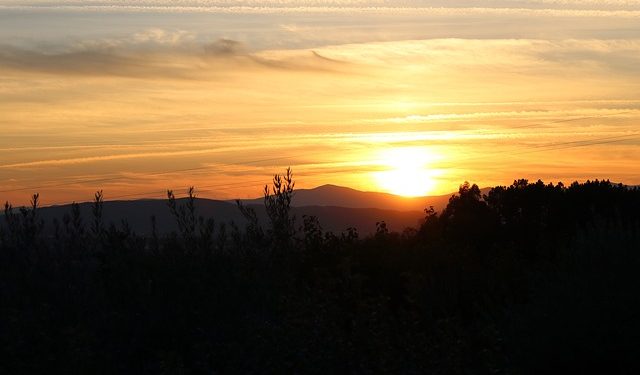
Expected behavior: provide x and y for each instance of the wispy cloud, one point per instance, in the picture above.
(154, 53)
(326, 110)
(325, 4)
(426, 11)
(530, 8)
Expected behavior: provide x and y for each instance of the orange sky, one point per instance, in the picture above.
(410, 101)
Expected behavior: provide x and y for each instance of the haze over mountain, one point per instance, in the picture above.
(339, 196)
(337, 208)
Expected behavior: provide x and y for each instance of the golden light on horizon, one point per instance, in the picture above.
(409, 172)
(191, 99)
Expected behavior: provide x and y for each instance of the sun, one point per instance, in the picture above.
(408, 171)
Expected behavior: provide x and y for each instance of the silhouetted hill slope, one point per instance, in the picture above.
(138, 215)
(337, 208)
(338, 196)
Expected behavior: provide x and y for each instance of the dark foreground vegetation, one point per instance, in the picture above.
(529, 279)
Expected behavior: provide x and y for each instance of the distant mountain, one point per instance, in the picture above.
(138, 215)
(338, 196)
(337, 208)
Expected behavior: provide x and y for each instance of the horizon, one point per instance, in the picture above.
(134, 98)
(422, 186)
(183, 194)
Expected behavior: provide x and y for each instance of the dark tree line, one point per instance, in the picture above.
(530, 278)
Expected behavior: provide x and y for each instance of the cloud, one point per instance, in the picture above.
(80, 62)
(147, 53)
(563, 8)
(401, 93)
(324, 3)
(154, 53)
(618, 57)
(125, 156)
(224, 47)
(162, 37)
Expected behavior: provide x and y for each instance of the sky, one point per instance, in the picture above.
(410, 97)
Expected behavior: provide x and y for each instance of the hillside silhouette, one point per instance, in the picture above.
(336, 207)
(339, 196)
(525, 279)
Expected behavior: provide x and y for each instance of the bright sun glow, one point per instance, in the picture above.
(409, 173)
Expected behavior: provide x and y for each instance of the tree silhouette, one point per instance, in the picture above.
(277, 202)
(528, 278)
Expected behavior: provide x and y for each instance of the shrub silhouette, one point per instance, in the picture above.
(530, 278)
(277, 202)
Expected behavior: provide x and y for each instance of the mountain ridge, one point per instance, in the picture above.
(341, 196)
(337, 208)
(138, 215)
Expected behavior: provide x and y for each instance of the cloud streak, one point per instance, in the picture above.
(322, 107)
(327, 3)
(425, 11)
(155, 54)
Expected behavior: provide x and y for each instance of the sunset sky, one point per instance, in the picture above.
(411, 97)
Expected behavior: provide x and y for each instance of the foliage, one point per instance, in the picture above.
(531, 278)
(277, 202)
